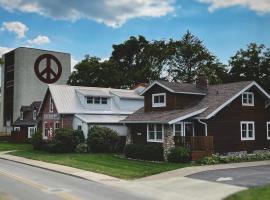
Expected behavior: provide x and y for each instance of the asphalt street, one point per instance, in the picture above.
(246, 176)
(23, 182)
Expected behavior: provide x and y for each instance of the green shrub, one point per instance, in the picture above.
(37, 140)
(81, 148)
(120, 144)
(179, 155)
(152, 152)
(80, 135)
(102, 140)
(63, 141)
(209, 160)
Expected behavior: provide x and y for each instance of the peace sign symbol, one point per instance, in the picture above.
(48, 75)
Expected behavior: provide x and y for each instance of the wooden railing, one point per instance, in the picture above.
(196, 143)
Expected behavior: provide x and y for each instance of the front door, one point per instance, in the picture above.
(188, 129)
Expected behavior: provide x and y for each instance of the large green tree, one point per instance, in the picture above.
(139, 60)
(252, 63)
(189, 57)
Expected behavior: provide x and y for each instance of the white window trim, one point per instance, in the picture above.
(248, 104)
(55, 125)
(267, 130)
(182, 127)
(100, 100)
(34, 114)
(155, 105)
(51, 106)
(44, 128)
(21, 115)
(29, 128)
(155, 140)
(17, 127)
(247, 138)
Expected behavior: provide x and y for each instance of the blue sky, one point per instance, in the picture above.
(92, 27)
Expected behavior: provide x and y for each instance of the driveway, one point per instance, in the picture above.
(245, 176)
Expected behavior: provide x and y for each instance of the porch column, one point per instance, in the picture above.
(129, 138)
(168, 140)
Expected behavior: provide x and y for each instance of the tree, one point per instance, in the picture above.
(139, 61)
(1, 61)
(189, 57)
(252, 63)
(94, 73)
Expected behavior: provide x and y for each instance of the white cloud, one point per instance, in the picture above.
(73, 63)
(16, 27)
(259, 6)
(4, 50)
(113, 13)
(39, 40)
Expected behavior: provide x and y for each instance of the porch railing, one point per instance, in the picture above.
(196, 143)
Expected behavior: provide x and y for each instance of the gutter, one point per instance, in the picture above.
(205, 126)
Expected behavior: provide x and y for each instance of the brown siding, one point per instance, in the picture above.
(173, 101)
(225, 126)
(66, 121)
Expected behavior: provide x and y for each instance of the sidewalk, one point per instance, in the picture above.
(167, 185)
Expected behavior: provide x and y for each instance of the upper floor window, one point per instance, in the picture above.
(159, 100)
(51, 105)
(268, 130)
(178, 129)
(34, 114)
(21, 115)
(248, 99)
(155, 132)
(96, 100)
(247, 130)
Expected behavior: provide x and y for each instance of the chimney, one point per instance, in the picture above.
(202, 82)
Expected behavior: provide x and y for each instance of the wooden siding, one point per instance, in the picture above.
(173, 100)
(225, 126)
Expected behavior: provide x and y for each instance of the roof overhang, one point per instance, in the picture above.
(168, 89)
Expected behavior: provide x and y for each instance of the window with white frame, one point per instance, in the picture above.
(155, 132)
(248, 99)
(34, 114)
(46, 129)
(56, 125)
(247, 130)
(268, 130)
(51, 105)
(21, 115)
(178, 129)
(159, 100)
(79, 128)
(17, 129)
(97, 100)
(31, 131)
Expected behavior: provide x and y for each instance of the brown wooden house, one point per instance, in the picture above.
(206, 118)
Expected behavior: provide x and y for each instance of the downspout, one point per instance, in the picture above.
(205, 126)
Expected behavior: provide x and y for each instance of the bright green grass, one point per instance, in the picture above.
(260, 193)
(109, 164)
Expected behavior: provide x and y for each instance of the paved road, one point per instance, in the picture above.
(246, 176)
(23, 182)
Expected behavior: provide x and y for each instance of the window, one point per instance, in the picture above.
(96, 100)
(155, 132)
(159, 100)
(79, 127)
(51, 105)
(178, 129)
(248, 99)
(46, 129)
(34, 114)
(268, 130)
(247, 130)
(21, 115)
(17, 129)
(89, 100)
(56, 125)
(31, 131)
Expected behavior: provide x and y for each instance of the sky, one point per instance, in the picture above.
(92, 26)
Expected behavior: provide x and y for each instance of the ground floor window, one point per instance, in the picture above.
(56, 125)
(79, 127)
(31, 131)
(17, 129)
(178, 129)
(268, 130)
(247, 130)
(155, 132)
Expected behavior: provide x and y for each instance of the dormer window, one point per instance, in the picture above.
(51, 105)
(34, 114)
(159, 100)
(21, 115)
(97, 100)
(248, 99)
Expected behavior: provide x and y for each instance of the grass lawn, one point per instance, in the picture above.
(109, 164)
(260, 193)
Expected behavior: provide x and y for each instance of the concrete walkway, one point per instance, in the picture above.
(167, 185)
